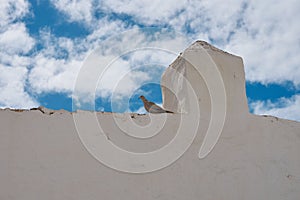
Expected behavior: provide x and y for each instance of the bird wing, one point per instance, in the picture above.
(153, 108)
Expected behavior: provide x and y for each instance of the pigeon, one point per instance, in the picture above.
(152, 107)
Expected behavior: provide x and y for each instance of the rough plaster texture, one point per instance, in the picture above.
(256, 157)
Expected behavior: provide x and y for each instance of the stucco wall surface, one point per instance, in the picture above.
(51, 155)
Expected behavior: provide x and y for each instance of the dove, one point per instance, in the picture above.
(152, 107)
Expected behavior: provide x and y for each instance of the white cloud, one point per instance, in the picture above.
(60, 47)
(266, 34)
(12, 91)
(127, 61)
(56, 66)
(288, 108)
(137, 60)
(11, 10)
(140, 110)
(79, 10)
(147, 12)
(269, 41)
(121, 81)
(208, 19)
(14, 60)
(15, 39)
(53, 75)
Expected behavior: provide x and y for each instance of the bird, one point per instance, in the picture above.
(152, 107)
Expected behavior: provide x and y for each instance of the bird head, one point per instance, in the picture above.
(142, 97)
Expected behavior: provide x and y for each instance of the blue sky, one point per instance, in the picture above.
(44, 43)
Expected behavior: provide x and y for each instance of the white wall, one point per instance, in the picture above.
(56, 156)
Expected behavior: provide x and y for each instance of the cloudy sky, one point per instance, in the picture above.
(45, 43)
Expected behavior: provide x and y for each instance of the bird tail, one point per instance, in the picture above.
(169, 111)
